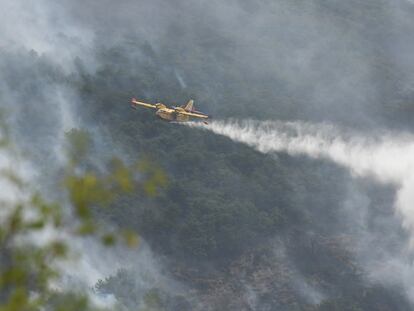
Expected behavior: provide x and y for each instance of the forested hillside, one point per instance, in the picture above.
(234, 229)
(228, 211)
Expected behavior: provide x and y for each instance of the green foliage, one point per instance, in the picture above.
(155, 177)
(87, 189)
(27, 267)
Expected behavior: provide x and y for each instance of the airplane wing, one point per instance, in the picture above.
(191, 114)
(134, 103)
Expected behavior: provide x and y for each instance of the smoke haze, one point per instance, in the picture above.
(350, 63)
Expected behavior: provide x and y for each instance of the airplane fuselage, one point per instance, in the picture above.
(171, 115)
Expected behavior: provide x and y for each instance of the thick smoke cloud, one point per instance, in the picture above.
(311, 60)
(387, 158)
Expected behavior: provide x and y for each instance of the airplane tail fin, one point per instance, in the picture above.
(189, 106)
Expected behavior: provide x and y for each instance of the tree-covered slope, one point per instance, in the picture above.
(239, 229)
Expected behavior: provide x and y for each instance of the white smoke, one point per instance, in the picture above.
(43, 27)
(388, 158)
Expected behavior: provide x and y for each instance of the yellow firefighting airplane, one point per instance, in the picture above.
(179, 114)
